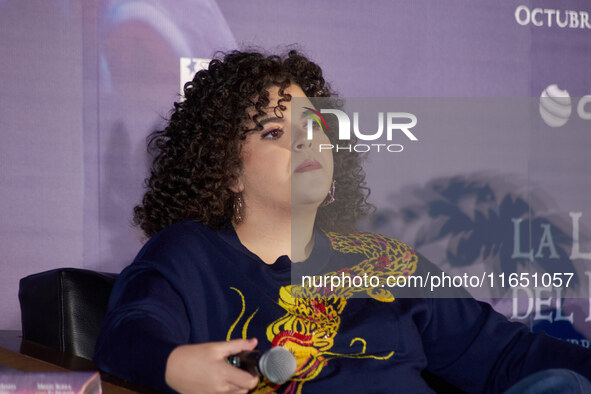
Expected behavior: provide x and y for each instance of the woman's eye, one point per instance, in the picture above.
(272, 134)
(312, 123)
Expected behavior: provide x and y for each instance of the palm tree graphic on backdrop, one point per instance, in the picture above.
(478, 215)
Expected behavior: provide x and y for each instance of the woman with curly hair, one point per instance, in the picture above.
(241, 199)
(197, 157)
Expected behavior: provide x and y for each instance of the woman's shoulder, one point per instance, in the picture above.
(366, 242)
(181, 229)
(382, 248)
(177, 240)
(382, 256)
(183, 249)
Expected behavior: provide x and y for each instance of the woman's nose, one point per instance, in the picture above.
(298, 146)
(300, 141)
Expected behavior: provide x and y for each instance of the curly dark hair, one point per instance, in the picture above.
(196, 158)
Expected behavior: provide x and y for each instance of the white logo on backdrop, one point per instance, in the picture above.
(189, 66)
(556, 106)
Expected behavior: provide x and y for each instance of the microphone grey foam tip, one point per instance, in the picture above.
(277, 364)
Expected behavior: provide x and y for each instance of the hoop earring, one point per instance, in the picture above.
(237, 206)
(330, 198)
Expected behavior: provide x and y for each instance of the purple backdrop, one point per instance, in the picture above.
(83, 83)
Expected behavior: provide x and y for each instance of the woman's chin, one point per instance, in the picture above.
(306, 204)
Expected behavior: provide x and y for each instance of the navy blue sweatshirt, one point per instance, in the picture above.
(191, 284)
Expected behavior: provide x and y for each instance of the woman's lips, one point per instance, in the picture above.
(308, 165)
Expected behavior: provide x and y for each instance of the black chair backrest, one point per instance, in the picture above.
(64, 308)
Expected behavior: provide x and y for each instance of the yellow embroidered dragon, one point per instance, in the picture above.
(313, 315)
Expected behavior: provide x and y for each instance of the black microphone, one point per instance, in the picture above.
(276, 364)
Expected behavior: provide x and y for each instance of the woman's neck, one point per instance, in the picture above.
(270, 236)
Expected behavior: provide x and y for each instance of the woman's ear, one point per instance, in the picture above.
(237, 186)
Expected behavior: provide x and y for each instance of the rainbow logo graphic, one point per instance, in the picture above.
(318, 118)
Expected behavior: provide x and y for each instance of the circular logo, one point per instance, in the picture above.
(555, 106)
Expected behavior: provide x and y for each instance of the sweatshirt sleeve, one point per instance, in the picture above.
(477, 349)
(146, 320)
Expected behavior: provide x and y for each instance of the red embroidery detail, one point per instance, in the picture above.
(292, 336)
(326, 291)
(318, 307)
(382, 263)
